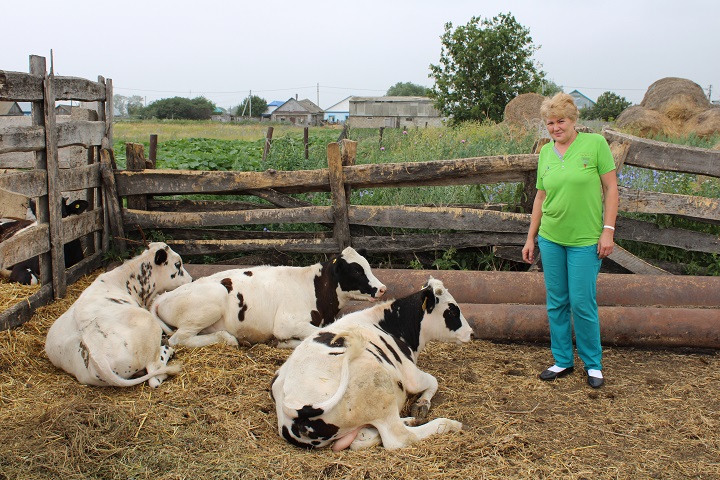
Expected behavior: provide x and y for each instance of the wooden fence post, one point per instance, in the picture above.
(152, 154)
(112, 205)
(268, 139)
(349, 157)
(306, 142)
(135, 154)
(341, 231)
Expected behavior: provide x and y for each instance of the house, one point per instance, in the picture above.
(298, 112)
(271, 108)
(10, 109)
(581, 101)
(339, 112)
(395, 112)
(63, 110)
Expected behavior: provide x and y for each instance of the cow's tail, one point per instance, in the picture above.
(108, 375)
(153, 311)
(355, 342)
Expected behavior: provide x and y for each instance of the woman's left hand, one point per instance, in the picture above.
(606, 244)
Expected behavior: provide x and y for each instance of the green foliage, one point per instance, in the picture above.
(483, 65)
(128, 106)
(252, 106)
(198, 108)
(548, 88)
(608, 106)
(407, 89)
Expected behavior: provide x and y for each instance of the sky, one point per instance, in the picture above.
(326, 50)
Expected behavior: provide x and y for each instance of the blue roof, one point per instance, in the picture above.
(275, 103)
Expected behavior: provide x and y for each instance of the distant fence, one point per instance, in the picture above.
(41, 174)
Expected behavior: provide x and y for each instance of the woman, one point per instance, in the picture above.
(573, 218)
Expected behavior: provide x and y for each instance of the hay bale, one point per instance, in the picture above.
(644, 122)
(678, 99)
(706, 123)
(523, 110)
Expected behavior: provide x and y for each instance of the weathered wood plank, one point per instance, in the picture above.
(669, 203)
(631, 229)
(223, 234)
(341, 227)
(74, 88)
(111, 202)
(442, 173)
(26, 87)
(447, 218)
(24, 245)
(32, 138)
(635, 264)
(23, 311)
(665, 156)
(80, 178)
(135, 160)
(211, 247)
(206, 205)
(20, 87)
(145, 219)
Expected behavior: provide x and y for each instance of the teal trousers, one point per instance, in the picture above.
(571, 285)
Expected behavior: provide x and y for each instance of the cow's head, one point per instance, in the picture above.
(443, 320)
(354, 278)
(73, 208)
(168, 266)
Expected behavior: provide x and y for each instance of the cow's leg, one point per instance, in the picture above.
(396, 434)
(417, 381)
(290, 331)
(190, 338)
(369, 436)
(166, 353)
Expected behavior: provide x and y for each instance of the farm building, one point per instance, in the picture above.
(396, 112)
(271, 107)
(10, 109)
(339, 112)
(298, 112)
(581, 100)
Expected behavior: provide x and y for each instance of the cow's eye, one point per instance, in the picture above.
(178, 265)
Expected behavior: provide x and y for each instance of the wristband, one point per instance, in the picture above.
(610, 227)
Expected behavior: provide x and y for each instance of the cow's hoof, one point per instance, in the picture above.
(420, 409)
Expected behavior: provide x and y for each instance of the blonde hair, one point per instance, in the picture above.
(561, 105)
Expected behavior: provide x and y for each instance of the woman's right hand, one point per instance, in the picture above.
(528, 251)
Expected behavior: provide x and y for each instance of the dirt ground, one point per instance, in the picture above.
(658, 416)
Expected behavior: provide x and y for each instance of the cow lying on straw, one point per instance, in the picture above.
(108, 335)
(348, 382)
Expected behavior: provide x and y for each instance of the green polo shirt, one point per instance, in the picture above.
(572, 213)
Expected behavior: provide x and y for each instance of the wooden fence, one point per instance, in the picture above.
(194, 227)
(41, 175)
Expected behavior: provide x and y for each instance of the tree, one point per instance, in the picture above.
(483, 65)
(608, 107)
(407, 89)
(252, 106)
(199, 108)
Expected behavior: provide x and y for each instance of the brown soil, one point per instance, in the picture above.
(658, 416)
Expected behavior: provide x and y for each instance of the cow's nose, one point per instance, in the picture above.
(381, 291)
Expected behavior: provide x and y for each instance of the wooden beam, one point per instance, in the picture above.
(635, 264)
(341, 224)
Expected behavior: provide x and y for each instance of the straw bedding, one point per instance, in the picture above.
(658, 416)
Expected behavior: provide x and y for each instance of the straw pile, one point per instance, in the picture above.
(658, 416)
(674, 107)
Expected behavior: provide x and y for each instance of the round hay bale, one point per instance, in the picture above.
(643, 122)
(678, 99)
(706, 123)
(524, 109)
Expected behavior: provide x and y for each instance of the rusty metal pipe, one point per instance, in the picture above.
(619, 326)
(529, 288)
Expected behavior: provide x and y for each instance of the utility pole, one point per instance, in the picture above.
(318, 94)
(250, 101)
(710, 92)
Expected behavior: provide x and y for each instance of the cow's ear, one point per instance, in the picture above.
(161, 257)
(428, 297)
(362, 252)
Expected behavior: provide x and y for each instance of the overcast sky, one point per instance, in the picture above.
(223, 49)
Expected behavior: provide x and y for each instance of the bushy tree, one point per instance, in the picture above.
(199, 108)
(608, 106)
(483, 65)
(407, 89)
(548, 88)
(252, 106)
(127, 106)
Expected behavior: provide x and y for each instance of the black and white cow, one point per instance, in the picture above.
(27, 272)
(108, 335)
(262, 303)
(348, 383)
